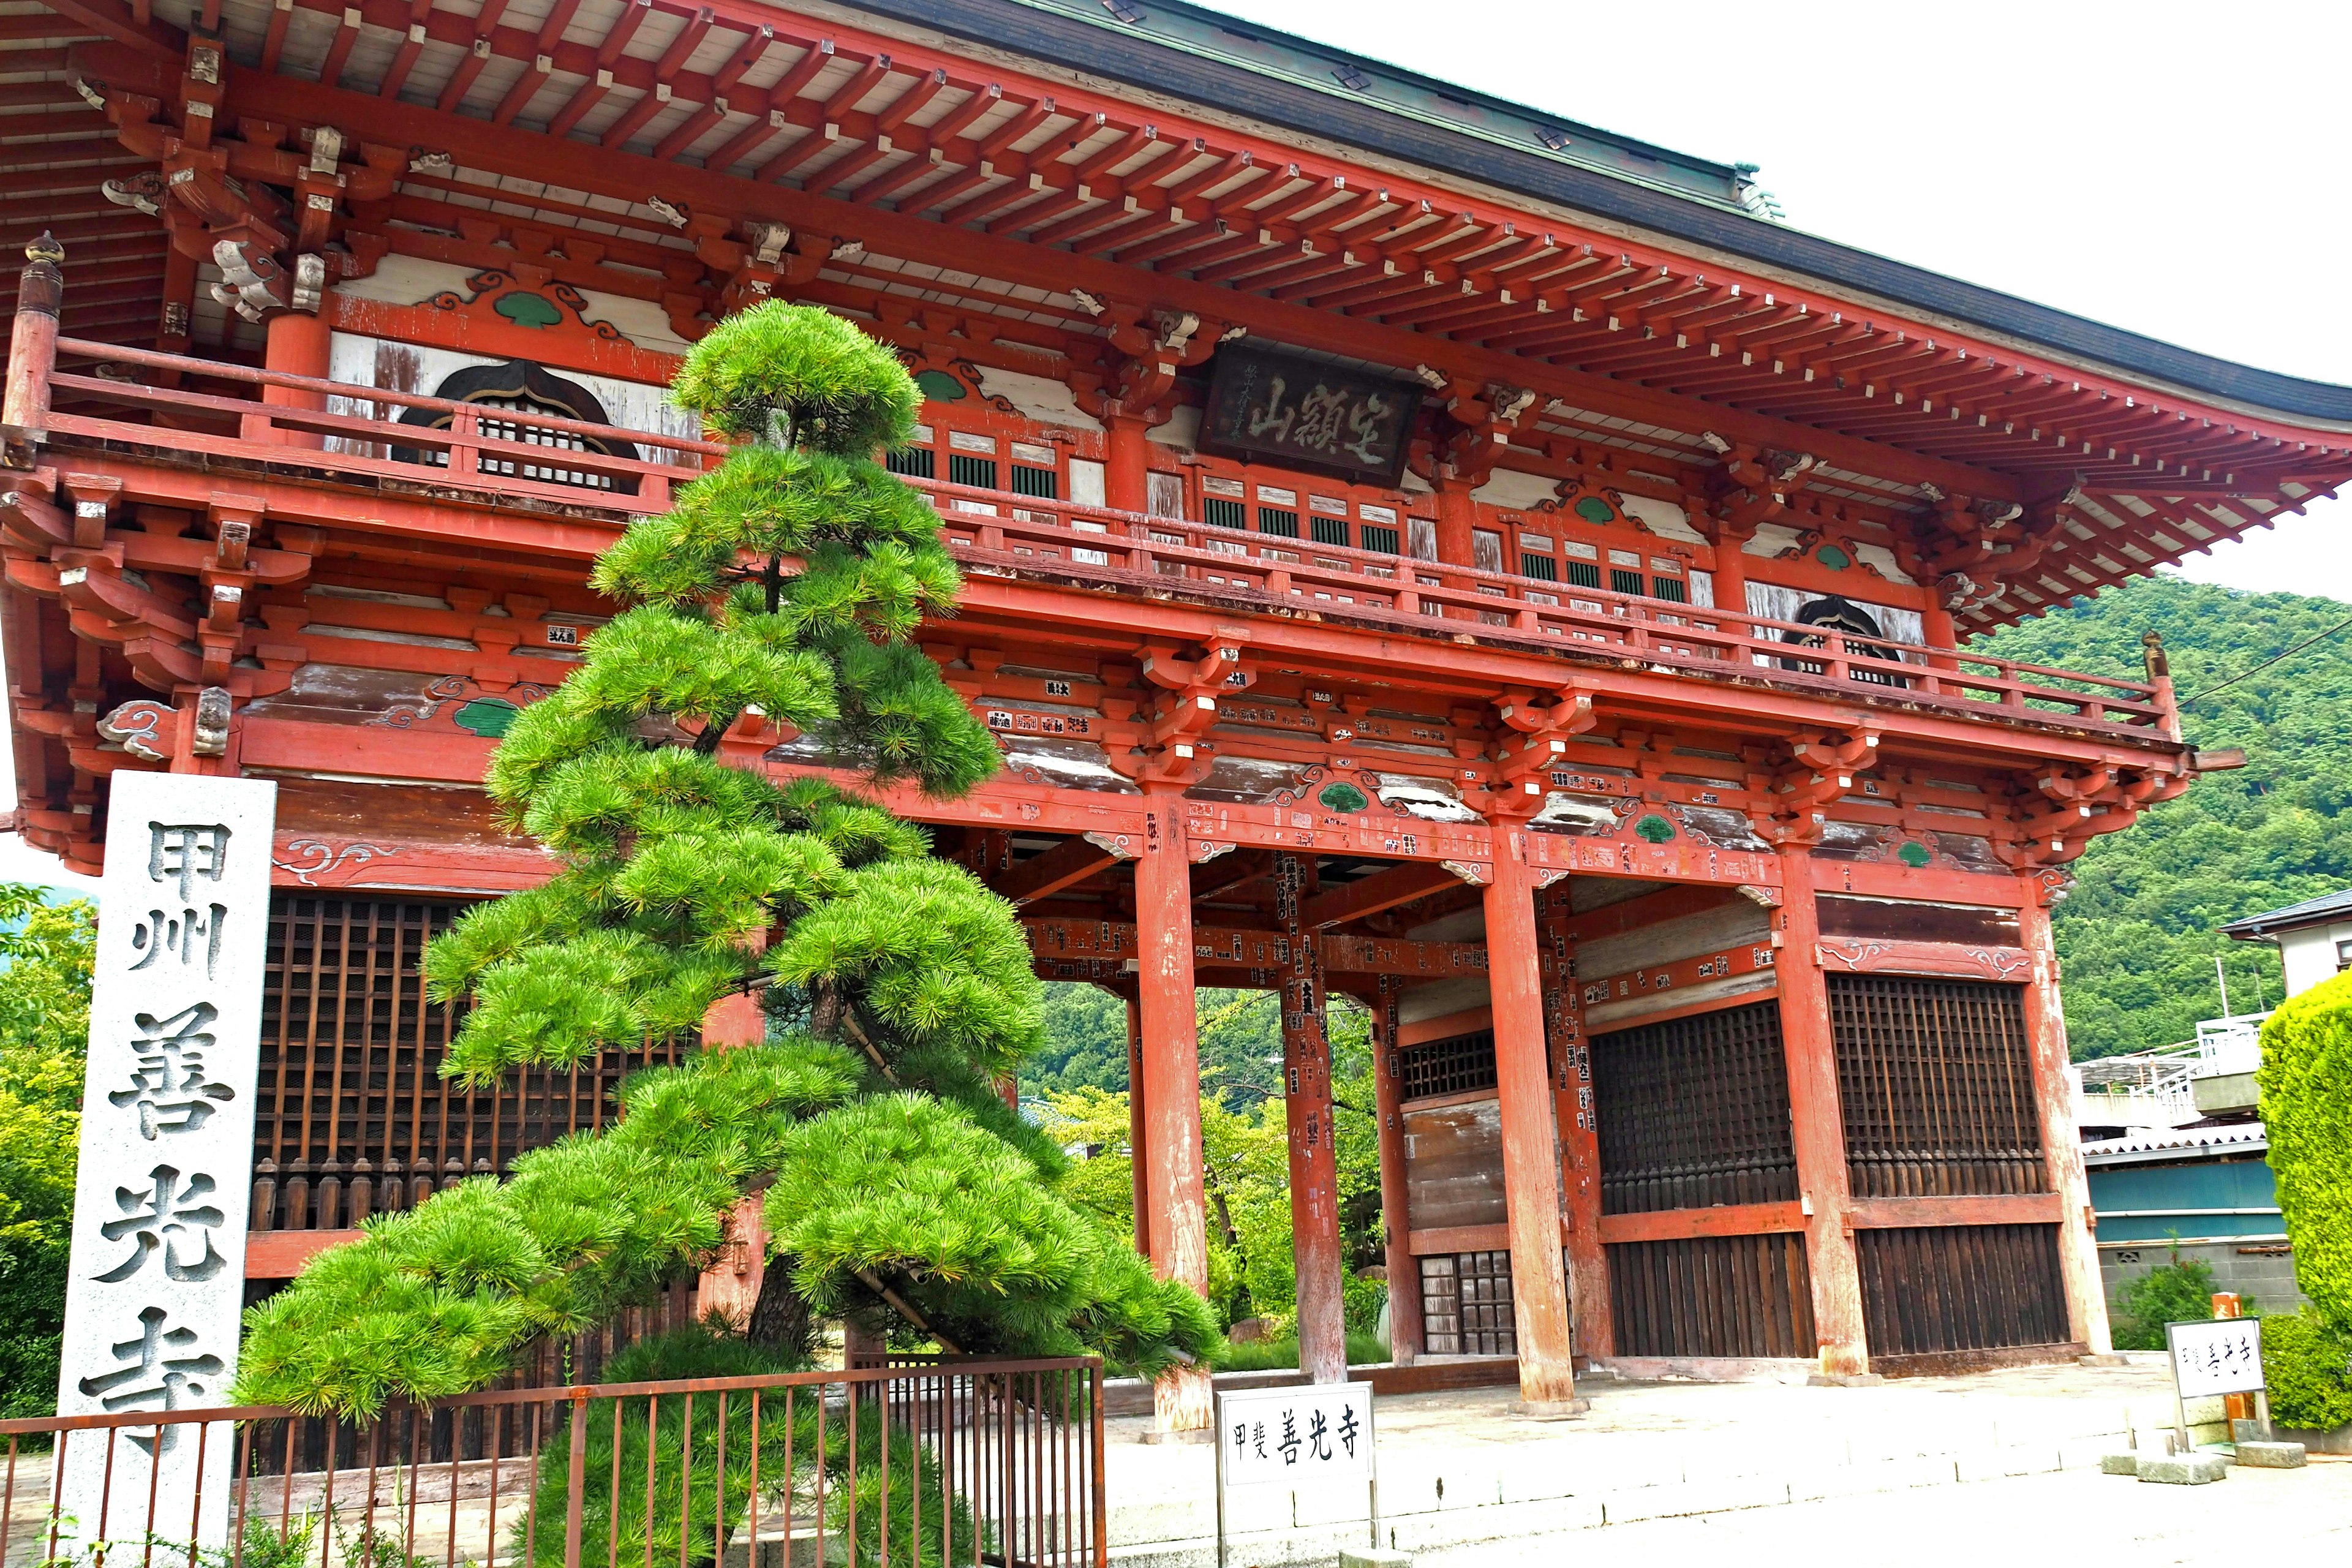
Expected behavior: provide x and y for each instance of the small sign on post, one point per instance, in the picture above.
(1309, 1435)
(2222, 1356)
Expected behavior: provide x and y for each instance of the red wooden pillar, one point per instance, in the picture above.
(1530, 1147)
(1577, 1115)
(1457, 517)
(1729, 581)
(1818, 1125)
(2062, 1148)
(1178, 1230)
(33, 336)
(298, 344)
(1314, 1161)
(1127, 462)
(1406, 1328)
(1137, 1137)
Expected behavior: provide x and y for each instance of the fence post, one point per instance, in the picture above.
(1099, 1502)
(33, 349)
(579, 1476)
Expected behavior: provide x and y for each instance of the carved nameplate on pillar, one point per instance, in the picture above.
(160, 1204)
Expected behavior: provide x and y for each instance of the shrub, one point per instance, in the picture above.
(2306, 1090)
(2309, 1368)
(2180, 1291)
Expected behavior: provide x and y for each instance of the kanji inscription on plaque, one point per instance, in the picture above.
(156, 1285)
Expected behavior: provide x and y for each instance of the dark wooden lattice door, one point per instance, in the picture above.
(1935, 1080)
(354, 1116)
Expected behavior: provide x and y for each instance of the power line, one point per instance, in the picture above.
(2274, 658)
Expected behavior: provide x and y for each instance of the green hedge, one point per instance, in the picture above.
(2309, 1368)
(2306, 1090)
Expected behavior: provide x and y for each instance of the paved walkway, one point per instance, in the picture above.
(2255, 1516)
(1692, 1466)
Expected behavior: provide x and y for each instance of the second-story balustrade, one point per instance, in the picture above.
(125, 404)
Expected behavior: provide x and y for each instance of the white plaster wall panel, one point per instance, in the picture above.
(1774, 602)
(1444, 998)
(1037, 397)
(1663, 518)
(1515, 491)
(1741, 923)
(413, 367)
(411, 280)
(156, 1283)
(1181, 430)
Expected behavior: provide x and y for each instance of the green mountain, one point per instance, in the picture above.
(2138, 934)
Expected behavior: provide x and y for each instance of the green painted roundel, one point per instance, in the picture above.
(939, 386)
(1914, 855)
(489, 717)
(1593, 508)
(1342, 797)
(1654, 829)
(1830, 556)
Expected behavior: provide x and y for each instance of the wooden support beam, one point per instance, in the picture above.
(1530, 1153)
(1818, 1127)
(2003, 1208)
(2070, 1189)
(1314, 1161)
(1576, 1112)
(1406, 1330)
(1171, 1091)
(1233, 869)
(1065, 865)
(1114, 944)
(1369, 895)
(1728, 1219)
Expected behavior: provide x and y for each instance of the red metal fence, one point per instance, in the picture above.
(952, 1461)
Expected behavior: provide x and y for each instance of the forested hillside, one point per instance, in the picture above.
(2138, 934)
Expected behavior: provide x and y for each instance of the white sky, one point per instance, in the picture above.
(2172, 168)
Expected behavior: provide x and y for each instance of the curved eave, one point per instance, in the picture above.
(1107, 49)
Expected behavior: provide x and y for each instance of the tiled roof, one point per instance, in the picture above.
(2311, 911)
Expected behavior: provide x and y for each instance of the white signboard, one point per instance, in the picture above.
(1295, 1438)
(161, 1202)
(2224, 1356)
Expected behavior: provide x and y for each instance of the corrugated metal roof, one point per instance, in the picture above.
(2243, 1137)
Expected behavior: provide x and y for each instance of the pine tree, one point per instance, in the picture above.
(781, 589)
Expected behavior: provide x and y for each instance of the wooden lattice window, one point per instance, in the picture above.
(980, 473)
(1458, 1064)
(1695, 1112)
(1934, 1289)
(1712, 1296)
(1465, 1304)
(352, 1114)
(1936, 1078)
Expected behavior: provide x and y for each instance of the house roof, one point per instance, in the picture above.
(2322, 910)
(1206, 57)
(2240, 1138)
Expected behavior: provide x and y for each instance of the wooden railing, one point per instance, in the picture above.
(292, 423)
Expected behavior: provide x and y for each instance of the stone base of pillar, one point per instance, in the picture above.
(1182, 1401)
(1182, 1434)
(1549, 1409)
